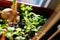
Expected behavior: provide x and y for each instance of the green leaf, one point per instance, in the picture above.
(2, 31)
(8, 34)
(10, 28)
(18, 29)
(3, 25)
(22, 5)
(23, 9)
(1, 20)
(20, 38)
(29, 8)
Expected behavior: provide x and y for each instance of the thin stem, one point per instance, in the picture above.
(14, 6)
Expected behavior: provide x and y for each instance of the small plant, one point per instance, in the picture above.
(31, 19)
(33, 22)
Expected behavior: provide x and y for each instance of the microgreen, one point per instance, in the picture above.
(33, 22)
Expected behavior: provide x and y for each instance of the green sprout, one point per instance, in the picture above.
(2, 30)
(10, 32)
(2, 27)
(33, 23)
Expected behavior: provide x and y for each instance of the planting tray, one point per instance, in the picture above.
(52, 17)
(51, 32)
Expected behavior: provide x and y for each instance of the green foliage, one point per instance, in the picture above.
(31, 19)
(26, 8)
(2, 27)
(33, 22)
(2, 30)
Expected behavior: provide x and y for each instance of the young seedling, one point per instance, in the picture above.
(3, 30)
(10, 15)
(33, 21)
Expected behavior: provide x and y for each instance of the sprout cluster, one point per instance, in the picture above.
(33, 22)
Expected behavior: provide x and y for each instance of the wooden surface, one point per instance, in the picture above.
(53, 35)
(57, 10)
